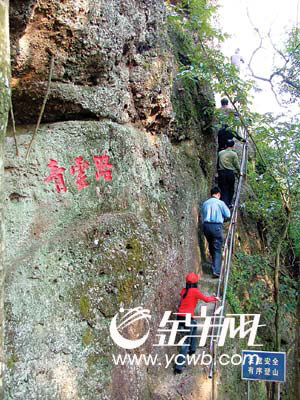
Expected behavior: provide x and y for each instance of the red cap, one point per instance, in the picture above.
(192, 278)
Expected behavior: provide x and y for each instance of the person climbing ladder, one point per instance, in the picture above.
(214, 211)
(228, 166)
(189, 297)
(225, 134)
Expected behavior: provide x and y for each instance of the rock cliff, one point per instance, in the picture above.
(80, 247)
(74, 257)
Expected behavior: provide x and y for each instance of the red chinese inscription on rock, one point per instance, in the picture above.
(81, 165)
(102, 167)
(57, 176)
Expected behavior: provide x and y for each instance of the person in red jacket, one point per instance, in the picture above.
(189, 298)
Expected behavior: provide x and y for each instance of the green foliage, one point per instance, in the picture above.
(276, 181)
(294, 232)
(290, 73)
(288, 290)
(273, 176)
(234, 301)
(205, 61)
(196, 17)
(250, 288)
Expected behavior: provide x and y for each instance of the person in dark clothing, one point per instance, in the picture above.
(226, 134)
(189, 297)
(225, 113)
(228, 164)
(225, 106)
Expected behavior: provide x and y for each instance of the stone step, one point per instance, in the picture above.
(208, 285)
(207, 268)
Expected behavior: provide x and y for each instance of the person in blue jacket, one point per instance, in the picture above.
(214, 211)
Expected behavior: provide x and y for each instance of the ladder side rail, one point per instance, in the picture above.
(228, 249)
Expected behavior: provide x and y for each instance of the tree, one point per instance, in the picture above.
(276, 183)
(277, 197)
(284, 79)
(290, 83)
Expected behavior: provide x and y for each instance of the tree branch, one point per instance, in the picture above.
(43, 107)
(279, 72)
(286, 59)
(13, 126)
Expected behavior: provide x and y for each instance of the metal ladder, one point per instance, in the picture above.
(226, 263)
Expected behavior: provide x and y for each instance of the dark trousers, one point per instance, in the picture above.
(226, 184)
(190, 343)
(214, 236)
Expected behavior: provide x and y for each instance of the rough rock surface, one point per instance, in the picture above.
(4, 108)
(111, 61)
(78, 255)
(75, 257)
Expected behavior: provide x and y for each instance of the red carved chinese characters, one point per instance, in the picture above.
(81, 165)
(56, 175)
(102, 167)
